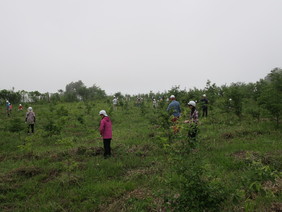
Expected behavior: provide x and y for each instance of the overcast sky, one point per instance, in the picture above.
(135, 46)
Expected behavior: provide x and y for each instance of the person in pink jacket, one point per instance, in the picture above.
(106, 132)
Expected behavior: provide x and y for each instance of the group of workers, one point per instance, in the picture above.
(105, 127)
(29, 116)
(173, 107)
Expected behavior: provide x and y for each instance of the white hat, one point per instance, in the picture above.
(103, 112)
(29, 108)
(204, 95)
(192, 103)
(172, 97)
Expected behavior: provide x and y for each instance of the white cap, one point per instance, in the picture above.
(192, 103)
(204, 95)
(103, 112)
(172, 97)
(29, 108)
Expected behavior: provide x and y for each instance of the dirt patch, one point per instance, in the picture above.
(241, 133)
(139, 172)
(245, 155)
(88, 151)
(122, 203)
(52, 174)
(277, 207)
(94, 151)
(227, 135)
(8, 184)
(27, 171)
(239, 155)
(2, 157)
(141, 150)
(275, 187)
(274, 159)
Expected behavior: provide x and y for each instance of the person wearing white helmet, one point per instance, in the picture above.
(115, 103)
(106, 132)
(174, 108)
(194, 117)
(193, 120)
(30, 119)
(204, 102)
(8, 109)
(155, 104)
(20, 108)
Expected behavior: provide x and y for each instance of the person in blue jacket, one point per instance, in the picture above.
(8, 108)
(174, 108)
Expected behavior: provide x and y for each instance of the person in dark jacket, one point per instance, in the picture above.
(205, 102)
(106, 132)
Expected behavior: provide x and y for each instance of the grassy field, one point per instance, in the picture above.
(235, 164)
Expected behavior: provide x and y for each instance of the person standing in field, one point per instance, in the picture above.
(138, 101)
(155, 104)
(106, 132)
(174, 108)
(30, 120)
(8, 107)
(115, 103)
(205, 102)
(20, 108)
(193, 120)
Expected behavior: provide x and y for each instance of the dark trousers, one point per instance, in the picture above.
(205, 111)
(30, 126)
(107, 147)
(193, 131)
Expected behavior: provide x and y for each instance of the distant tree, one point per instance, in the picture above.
(118, 94)
(83, 93)
(95, 93)
(60, 91)
(233, 96)
(271, 95)
(78, 91)
(44, 97)
(73, 91)
(212, 91)
(181, 95)
(11, 96)
(34, 96)
(55, 97)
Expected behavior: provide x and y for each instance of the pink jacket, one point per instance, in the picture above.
(106, 128)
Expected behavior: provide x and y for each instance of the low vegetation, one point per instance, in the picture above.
(233, 165)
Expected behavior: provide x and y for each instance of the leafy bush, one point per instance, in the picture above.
(16, 125)
(199, 192)
(52, 128)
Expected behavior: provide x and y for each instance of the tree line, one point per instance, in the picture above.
(255, 99)
(74, 91)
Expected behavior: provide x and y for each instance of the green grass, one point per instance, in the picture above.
(236, 164)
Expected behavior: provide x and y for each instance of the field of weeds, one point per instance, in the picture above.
(234, 165)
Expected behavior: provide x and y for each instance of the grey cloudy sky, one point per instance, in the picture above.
(134, 46)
